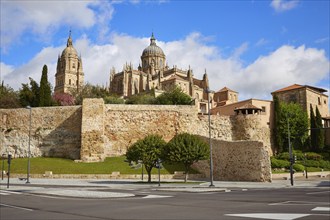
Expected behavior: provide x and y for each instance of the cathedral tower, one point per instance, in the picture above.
(69, 75)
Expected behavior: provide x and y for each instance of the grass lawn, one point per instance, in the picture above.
(66, 166)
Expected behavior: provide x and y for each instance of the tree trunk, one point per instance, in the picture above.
(186, 173)
(149, 174)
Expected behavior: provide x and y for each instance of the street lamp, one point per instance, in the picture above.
(29, 150)
(210, 142)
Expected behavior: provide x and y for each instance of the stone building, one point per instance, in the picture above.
(262, 108)
(69, 75)
(156, 74)
(305, 96)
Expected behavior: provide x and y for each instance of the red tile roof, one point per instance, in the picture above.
(297, 86)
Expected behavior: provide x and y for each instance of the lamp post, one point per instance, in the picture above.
(210, 142)
(29, 150)
(290, 152)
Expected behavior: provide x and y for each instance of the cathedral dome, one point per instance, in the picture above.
(69, 50)
(153, 49)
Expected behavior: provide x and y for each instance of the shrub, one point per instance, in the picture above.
(313, 156)
(298, 167)
(276, 163)
(284, 156)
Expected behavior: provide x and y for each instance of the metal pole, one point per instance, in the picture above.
(306, 175)
(29, 150)
(3, 165)
(210, 142)
(158, 172)
(290, 153)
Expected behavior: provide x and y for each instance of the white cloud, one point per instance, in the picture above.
(283, 5)
(284, 66)
(43, 18)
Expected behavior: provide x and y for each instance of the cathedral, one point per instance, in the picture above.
(155, 74)
(69, 75)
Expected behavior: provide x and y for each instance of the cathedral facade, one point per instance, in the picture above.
(69, 75)
(155, 74)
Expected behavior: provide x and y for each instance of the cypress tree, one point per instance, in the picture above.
(45, 94)
(277, 117)
(313, 129)
(319, 130)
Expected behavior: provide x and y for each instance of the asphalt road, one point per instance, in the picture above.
(237, 204)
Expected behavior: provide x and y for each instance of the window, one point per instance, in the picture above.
(319, 99)
(263, 108)
(73, 65)
(325, 102)
(69, 81)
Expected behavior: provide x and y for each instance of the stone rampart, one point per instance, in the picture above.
(55, 132)
(92, 131)
(95, 131)
(237, 161)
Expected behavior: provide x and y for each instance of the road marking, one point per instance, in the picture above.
(155, 197)
(274, 216)
(6, 192)
(326, 209)
(317, 192)
(16, 207)
(299, 203)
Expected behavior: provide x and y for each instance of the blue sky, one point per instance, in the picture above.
(253, 47)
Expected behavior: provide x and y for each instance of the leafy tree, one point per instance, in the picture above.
(186, 149)
(147, 150)
(8, 97)
(113, 99)
(45, 93)
(277, 117)
(174, 96)
(63, 99)
(319, 130)
(144, 98)
(89, 91)
(298, 125)
(29, 95)
(313, 130)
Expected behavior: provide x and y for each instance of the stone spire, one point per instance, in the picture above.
(69, 42)
(152, 39)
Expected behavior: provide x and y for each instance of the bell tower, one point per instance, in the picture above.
(69, 75)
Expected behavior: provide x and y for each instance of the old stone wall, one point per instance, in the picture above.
(237, 161)
(55, 131)
(95, 131)
(92, 130)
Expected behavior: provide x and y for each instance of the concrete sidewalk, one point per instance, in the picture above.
(105, 188)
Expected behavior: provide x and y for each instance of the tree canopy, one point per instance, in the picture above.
(186, 149)
(298, 125)
(147, 150)
(45, 91)
(175, 96)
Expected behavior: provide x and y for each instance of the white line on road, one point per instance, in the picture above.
(16, 207)
(273, 216)
(317, 192)
(155, 197)
(299, 203)
(9, 192)
(326, 209)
